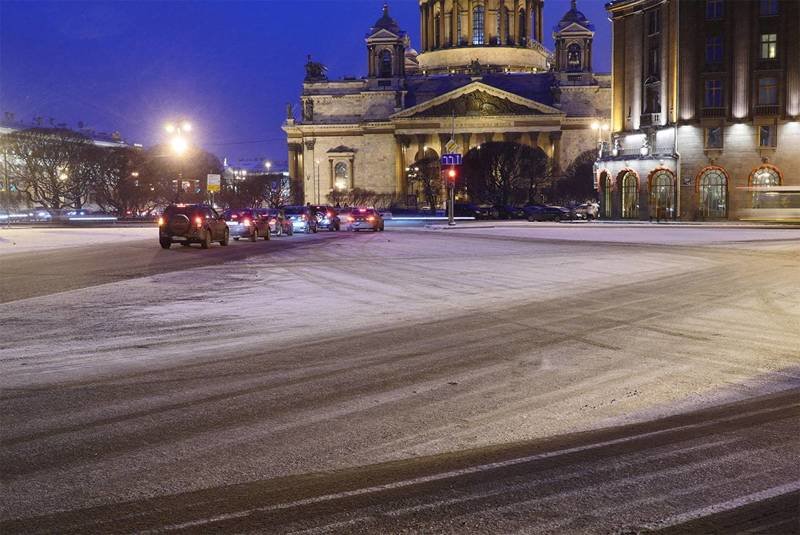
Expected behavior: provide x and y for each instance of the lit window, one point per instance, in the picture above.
(714, 9)
(714, 49)
(714, 137)
(478, 26)
(766, 136)
(341, 172)
(713, 94)
(768, 91)
(768, 8)
(769, 46)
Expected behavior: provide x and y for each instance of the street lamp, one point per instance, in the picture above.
(268, 165)
(178, 142)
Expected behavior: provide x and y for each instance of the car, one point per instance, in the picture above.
(366, 219)
(192, 223)
(345, 218)
(543, 212)
(508, 211)
(589, 210)
(303, 218)
(279, 224)
(327, 218)
(472, 210)
(247, 223)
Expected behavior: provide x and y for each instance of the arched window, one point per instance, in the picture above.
(712, 186)
(662, 195)
(630, 196)
(478, 25)
(341, 176)
(523, 27)
(765, 178)
(574, 62)
(437, 30)
(605, 180)
(385, 64)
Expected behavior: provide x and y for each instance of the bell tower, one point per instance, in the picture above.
(386, 46)
(573, 36)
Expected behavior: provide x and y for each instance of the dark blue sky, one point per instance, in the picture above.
(230, 67)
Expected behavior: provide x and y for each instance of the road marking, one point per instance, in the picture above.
(460, 472)
(726, 506)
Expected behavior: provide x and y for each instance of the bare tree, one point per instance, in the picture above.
(501, 173)
(47, 164)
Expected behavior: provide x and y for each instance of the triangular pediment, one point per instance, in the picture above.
(383, 33)
(477, 100)
(576, 28)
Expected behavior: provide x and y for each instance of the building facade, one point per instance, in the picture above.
(706, 104)
(481, 75)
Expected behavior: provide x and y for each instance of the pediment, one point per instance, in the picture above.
(383, 33)
(477, 100)
(575, 28)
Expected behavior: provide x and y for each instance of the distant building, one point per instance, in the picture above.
(482, 75)
(706, 102)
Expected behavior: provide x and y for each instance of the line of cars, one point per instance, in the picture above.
(531, 212)
(200, 223)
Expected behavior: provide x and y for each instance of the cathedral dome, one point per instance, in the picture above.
(491, 35)
(573, 16)
(386, 22)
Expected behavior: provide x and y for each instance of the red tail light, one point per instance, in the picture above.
(371, 218)
(304, 218)
(160, 221)
(330, 214)
(273, 220)
(198, 221)
(246, 222)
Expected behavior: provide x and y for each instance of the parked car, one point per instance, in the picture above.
(279, 224)
(192, 223)
(246, 223)
(345, 218)
(507, 211)
(589, 210)
(366, 219)
(472, 210)
(543, 212)
(327, 218)
(303, 218)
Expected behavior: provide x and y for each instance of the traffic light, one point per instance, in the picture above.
(452, 175)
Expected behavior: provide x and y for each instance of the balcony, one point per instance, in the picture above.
(713, 112)
(650, 119)
(771, 109)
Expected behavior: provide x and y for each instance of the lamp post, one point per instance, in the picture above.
(179, 145)
(600, 128)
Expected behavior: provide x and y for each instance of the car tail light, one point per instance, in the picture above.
(198, 221)
(371, 218)
(350, 219)
(234, 216)
(304, 218)
(246, 223)
(273, 220)
(160, 221)
(330, 214)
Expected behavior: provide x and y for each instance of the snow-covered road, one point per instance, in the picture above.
(355, 349)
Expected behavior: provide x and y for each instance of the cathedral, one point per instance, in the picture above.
(481, 74)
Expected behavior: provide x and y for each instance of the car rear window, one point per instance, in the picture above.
(295, 210)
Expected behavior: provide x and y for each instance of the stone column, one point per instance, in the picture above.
(515, 24)
(469, 21)
(555, 139)
(422, 28)
(539, 22)
(442, 16)
(454, 15)
(740, 81)
(528, 19)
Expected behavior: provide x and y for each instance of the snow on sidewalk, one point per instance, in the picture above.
(34, 239)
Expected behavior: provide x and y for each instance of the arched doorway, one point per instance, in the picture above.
(662, 194)
(629, 195)
(712, 189)
(764, 178)
(608, 192)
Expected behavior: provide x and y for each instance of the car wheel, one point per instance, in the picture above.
(266, 235)
(236, 238)
(531, 218)
(291, 231)
(165, 243)
(314, 230)
(206, 243)
(557, 219)
(226, 239)
(382, 227)
(254, 235)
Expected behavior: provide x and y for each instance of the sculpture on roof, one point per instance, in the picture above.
(315, 71)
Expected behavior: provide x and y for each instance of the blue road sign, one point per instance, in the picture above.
(451, 159)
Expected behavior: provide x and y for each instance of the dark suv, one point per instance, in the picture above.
(191, 223)
(303, 218)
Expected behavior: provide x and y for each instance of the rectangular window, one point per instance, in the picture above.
(766, 136)
(715, 9)
(768, 91)
(713, 49)
(714, 137)
(713, 94)
(478, 26)
(768, 8)
(654, 62)
(769, 46)
(654, 22)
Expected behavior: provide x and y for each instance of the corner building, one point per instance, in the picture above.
(706, 103)
(481, 75)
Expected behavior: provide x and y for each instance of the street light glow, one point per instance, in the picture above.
(169, 127)
(595, 125)
(179, 145)
(186, 126)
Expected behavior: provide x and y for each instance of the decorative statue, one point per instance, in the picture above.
(315, 71)
(289, 112)
(475, 67)
(308, 110)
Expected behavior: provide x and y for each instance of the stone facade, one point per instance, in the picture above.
(367, 133)
(706, 101)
